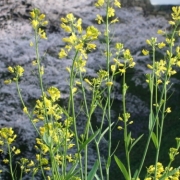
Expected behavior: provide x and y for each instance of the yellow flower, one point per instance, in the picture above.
(99, 19)
(19, 70)
(62, 53)
(54, 93)
(79, 25)
(91, 46)
(8, 81)
(47, 168)
(119, 46)
(111, 12)
(114, 21)
(87, 81)
(145, 52)
(30, 164)
(161, 32)
(70, 146)
(31, 44)
(48, 178)
(41, 17)
(5, 161)
(176, 13)
(17, 151)
(122, 71)
(113, 68)
(34, 23)
(120, 127)
(109, 83)
(70, 17)
(42, 33)
(149, 66)
(66, 28)
(117, 3)
(74, 90)
(132, 64)
(168, 110)
(161, 45)
(99, 3)
(32, 14)
(69, 158)
(44, 23)
(25, 110)
(11, 69)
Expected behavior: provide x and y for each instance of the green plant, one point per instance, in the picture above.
(61, 150)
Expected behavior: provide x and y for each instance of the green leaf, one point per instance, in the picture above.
(154, 139)
(122, 167)
(72, 171)
(128, 139)
(135, 174)
(108, 162)
(93, 171)
(102, 134)
(134, 143)
(97, 177)
(170, 173)
(151, 121)
(148, 76)
(88, 140)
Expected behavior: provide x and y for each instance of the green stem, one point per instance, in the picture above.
(71, 104)
(109, 90)
(151, 113)
(10, 162)
(125, 124)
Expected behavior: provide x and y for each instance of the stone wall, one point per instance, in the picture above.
(16, 9)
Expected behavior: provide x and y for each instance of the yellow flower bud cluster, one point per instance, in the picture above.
(160, 171)
(37, 21)
(125, 118)
(47, 106)
(78, 40)
(55, 135)
(7, 138)
(17, 71)
(126, 62)
(110, 10)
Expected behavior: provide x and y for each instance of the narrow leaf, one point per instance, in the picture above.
(135, 174)
(151, 120)
(102, 134)
(154, 139)
(108, 162)
(97, 177)
(134, 143)
(122, 167)
(88, 140)
(93, 171)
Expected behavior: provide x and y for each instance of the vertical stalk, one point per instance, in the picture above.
(124, 89)
(71, 103)
(151, 114)
(109, 89)
(10, 161)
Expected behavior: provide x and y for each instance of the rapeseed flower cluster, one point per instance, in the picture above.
(160, 171)
(37, 22)
(17, 71)
(79, 40)
(7, 138)
(47, 106)
(124, 63)
(110, 10)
